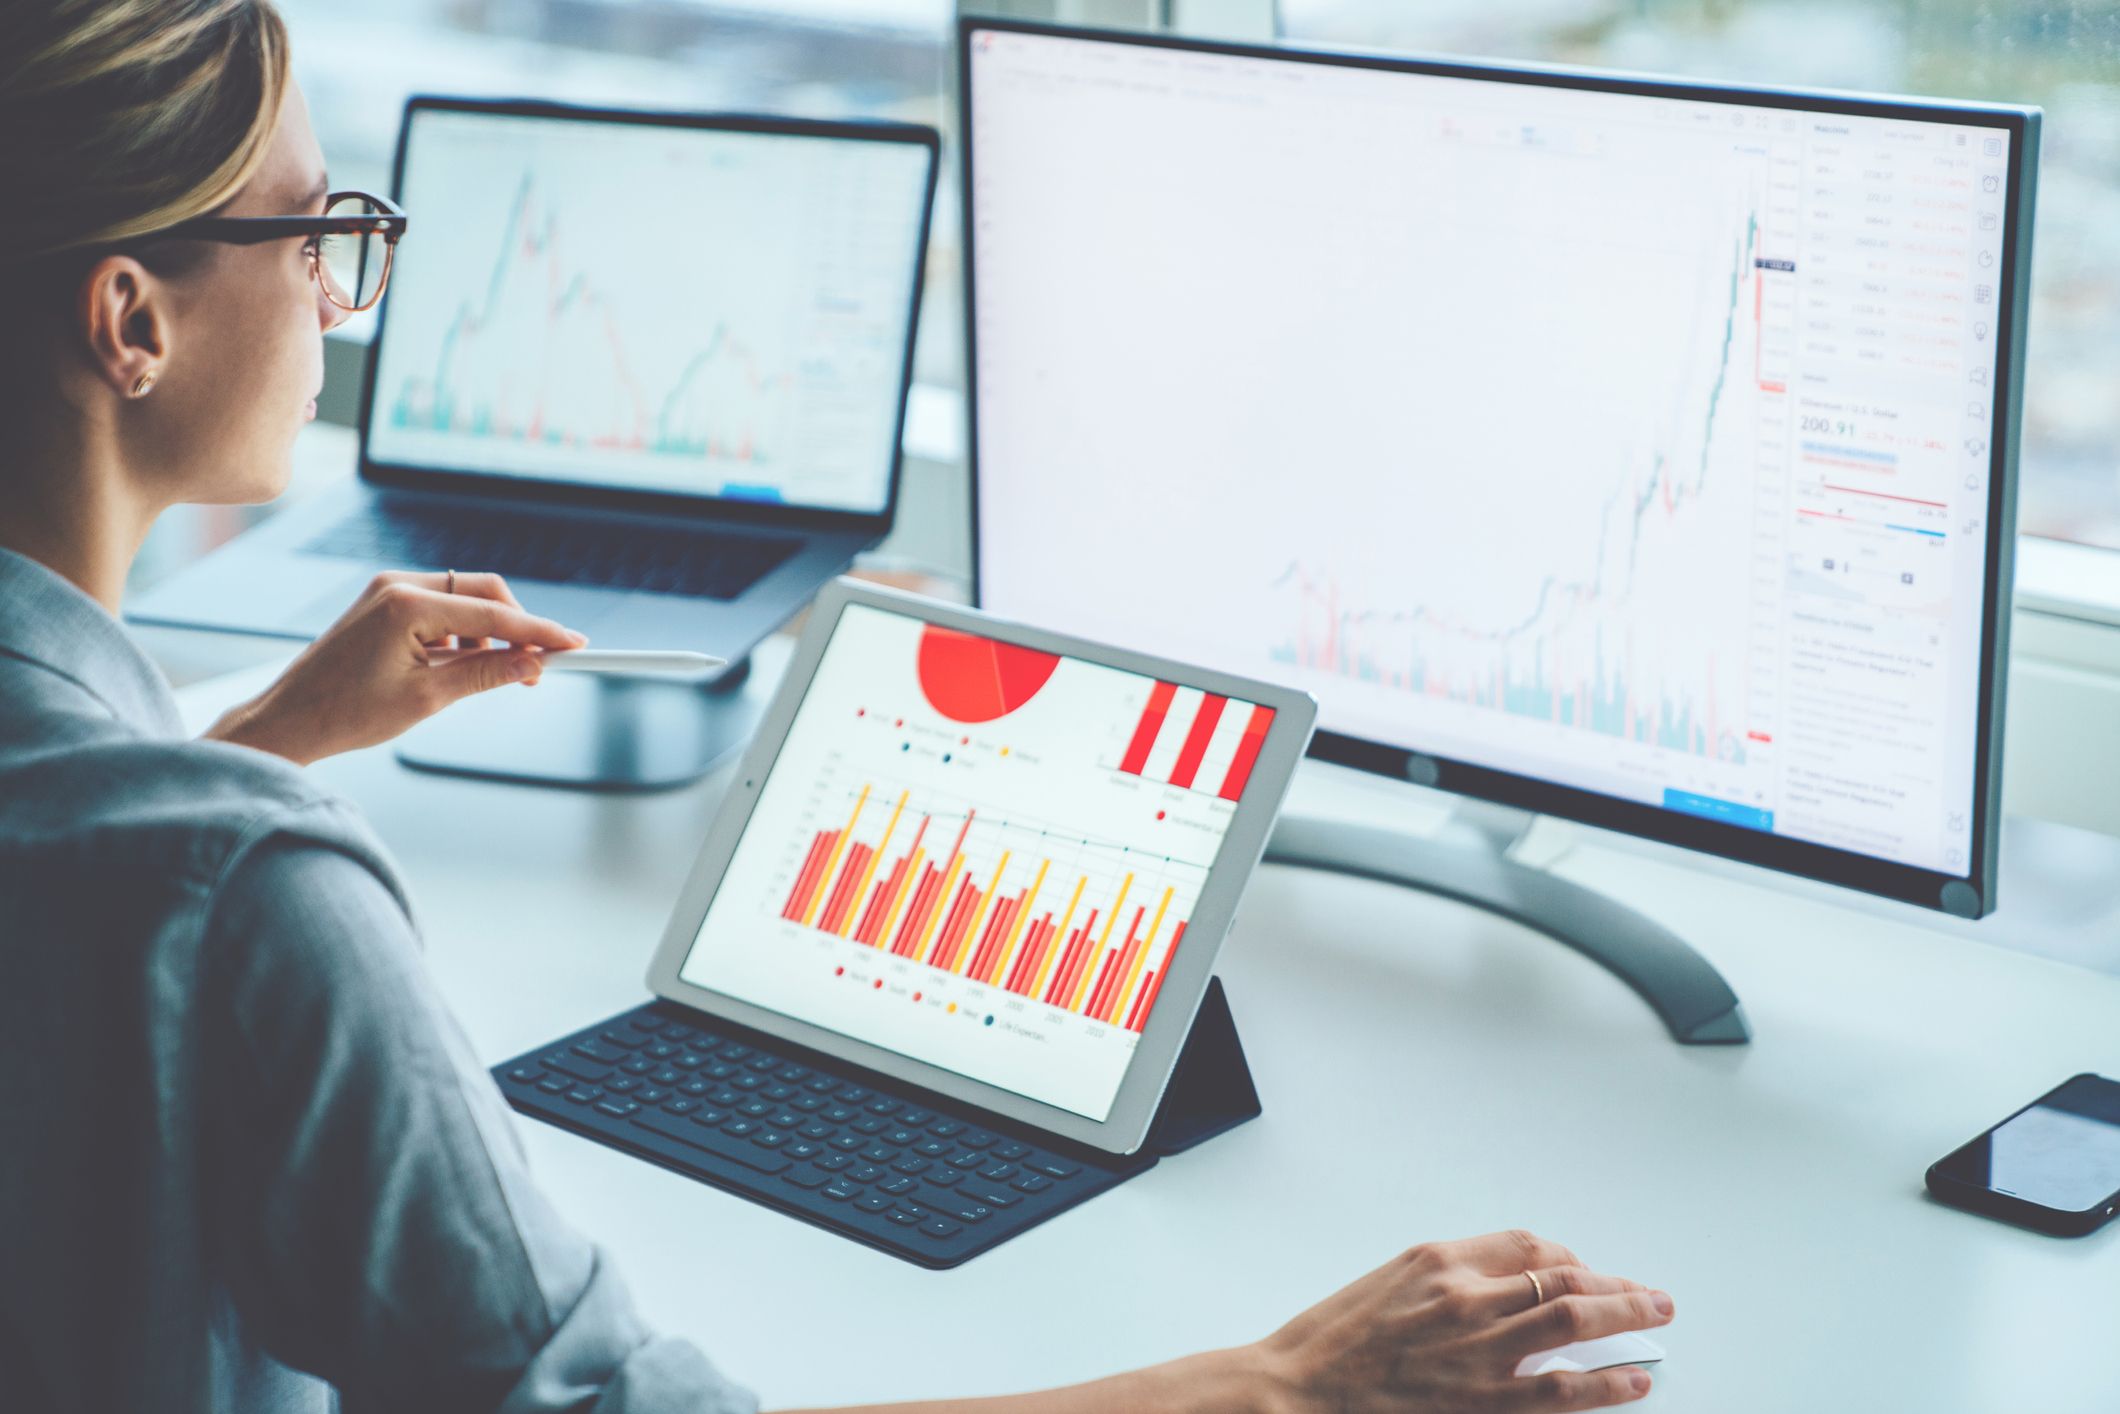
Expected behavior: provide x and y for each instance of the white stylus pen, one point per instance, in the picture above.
(639, 663)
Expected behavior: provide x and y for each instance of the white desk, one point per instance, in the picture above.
(1427, 1071)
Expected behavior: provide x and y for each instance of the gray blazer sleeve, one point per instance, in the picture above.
(370, 1199)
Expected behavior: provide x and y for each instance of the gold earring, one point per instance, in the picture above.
(147, 381)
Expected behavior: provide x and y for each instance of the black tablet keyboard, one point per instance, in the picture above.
(844, 1149)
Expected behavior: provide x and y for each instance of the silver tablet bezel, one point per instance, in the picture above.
(1126, 1128)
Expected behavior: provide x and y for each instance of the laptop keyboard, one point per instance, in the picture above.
(798, 1133)
(703, 563)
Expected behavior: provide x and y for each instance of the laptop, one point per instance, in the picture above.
(944, 968)
(651, 367)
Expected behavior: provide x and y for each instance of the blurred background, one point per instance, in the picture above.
(893, 58)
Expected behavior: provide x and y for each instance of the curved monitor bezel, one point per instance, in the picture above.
(1969, 895)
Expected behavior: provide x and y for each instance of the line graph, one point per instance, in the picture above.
(541, 356)
(1607, 646)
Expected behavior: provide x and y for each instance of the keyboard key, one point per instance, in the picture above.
(580, 1067)
(816, 1130)
(874, 1203)
(994, 1195)
(733, 1052)
(725, 1097)
(793, 1074)
(681, 1105)
(934, 1149)
(977, 1139)
(652, 1094)
(865, 1173)
(943, 1176)
(945, 1128)
(853, 1094)
(840, 1114)
(552, 1085)
(845, 1141)
(769, 1138)
(616, 1108)
(756, 1109)
(914, 1119)
(1052, 1168)
(584, 1094)
(1009, 1149)
(661, 1050)
(833, 1163)
(808, 1104)
(687, 1060)
(710, 1117)
(806, 1178)
(669, 1075)
(900, 1136)
(1031, 1183)
(718, 1070)
(911, 1164)
(647, 1021)
(622, 1083)
(625, 1038)
(912, 1210)
(598, 1051)
(748, 1081)
(676, 1031)
(879, 1153)
(998, 1172)
(964, 1159)
(697, 1089)
(784, 1119)
(525, 1074)
(741, 1128)
(839, 1190)
(869, 1126)
(804, 1149)
(901, 1217)
(881, 1106)
(736, 1150)
(780, 1094)
(940, 1228)
(639, 1065)
(820, 1084)
(966, 1210)
(898, 1185)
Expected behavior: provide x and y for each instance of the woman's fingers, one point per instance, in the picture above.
(1505, 1296)
(475, 584)
(1568, 1390)
(482, 672)
(1501, 1254)
(429, 614)
(1567, 1319)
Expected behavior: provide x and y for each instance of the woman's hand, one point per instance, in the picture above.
(369, 676)
(1440, 1329)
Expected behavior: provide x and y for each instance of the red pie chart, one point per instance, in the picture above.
(972, 679)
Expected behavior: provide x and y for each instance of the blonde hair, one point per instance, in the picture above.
(119, 118)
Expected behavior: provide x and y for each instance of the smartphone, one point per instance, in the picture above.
(2054, 1166)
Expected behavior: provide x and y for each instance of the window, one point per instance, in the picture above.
(2064, 58)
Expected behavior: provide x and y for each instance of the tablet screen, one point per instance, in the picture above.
(979, 855)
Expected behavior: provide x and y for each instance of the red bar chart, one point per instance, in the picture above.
(1196, 741)
(1012, 925)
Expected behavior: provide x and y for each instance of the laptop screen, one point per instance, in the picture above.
(979, 855)
(649, 307)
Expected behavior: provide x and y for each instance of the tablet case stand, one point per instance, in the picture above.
(1210, 1087)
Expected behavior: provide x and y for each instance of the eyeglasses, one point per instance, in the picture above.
(354, 241)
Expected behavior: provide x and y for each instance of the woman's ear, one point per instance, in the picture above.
(123, 318)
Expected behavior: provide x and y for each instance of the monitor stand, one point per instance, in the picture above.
(590, 731)
(1679, 985)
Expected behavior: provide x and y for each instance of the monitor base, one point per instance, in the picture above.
(1680, 986)
(589, 732)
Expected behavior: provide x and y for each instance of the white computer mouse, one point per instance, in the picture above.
(1600, 1354)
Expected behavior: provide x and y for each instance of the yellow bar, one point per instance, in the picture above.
(868, 871)
(1015, 927)
(1089, 968)
(1119, 997)
(839, 845)
(971, 930)
(905, 887)
(942, 907)
(1059, 946)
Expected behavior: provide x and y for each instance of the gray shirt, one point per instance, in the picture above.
(247, 1159)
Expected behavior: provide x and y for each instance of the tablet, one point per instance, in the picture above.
(985, 859)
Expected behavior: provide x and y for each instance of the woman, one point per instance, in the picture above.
(250, 1160)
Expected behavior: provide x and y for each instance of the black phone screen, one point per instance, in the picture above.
(2062, 1152)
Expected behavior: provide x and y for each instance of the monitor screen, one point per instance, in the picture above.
(978, 855)
(1636, 444)
(651, 307)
